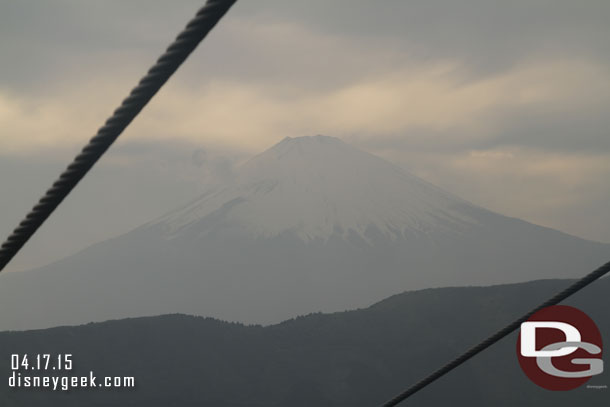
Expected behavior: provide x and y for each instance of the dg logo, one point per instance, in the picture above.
(560, 348)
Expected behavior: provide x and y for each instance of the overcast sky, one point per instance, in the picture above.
(505, 103)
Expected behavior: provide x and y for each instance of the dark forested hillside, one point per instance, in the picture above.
(356, 358)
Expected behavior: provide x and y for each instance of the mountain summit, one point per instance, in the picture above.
(319, 186)
(311, 224)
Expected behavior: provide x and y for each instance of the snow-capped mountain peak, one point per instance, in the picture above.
(311, 224)
(315, 186)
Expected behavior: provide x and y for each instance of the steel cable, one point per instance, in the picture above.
(577, 286)
(194, 32)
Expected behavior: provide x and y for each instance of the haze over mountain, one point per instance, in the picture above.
(311, 224)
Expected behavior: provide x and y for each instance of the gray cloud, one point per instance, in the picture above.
(41, 40)
(489, 35)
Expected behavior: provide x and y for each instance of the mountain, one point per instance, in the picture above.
(311, 224)
(355, 358)
(318, 187)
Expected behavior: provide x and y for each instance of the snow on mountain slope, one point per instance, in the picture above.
(311, 224)
(317, 186)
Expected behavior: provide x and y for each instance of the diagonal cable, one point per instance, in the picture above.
(194, 32)
(577, 286)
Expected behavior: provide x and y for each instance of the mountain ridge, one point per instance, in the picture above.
(309, 225)
(353, 358)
